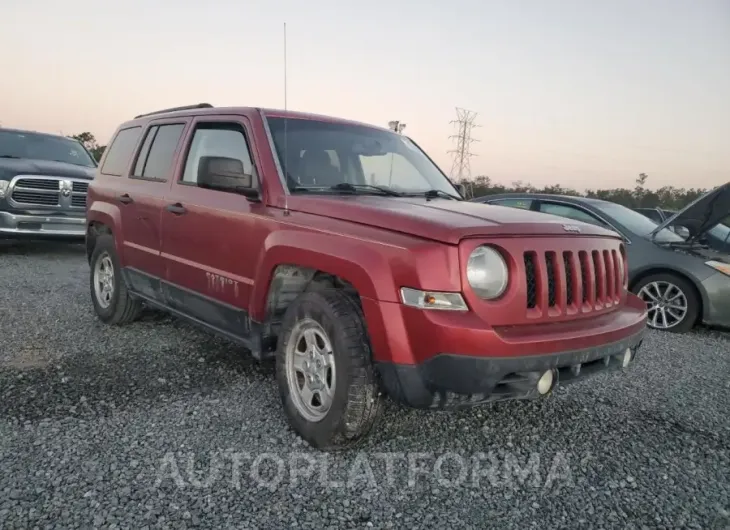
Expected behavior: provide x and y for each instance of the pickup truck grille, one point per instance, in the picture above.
(579, 280)
(37, 184)
(49, 192)
(31, 197)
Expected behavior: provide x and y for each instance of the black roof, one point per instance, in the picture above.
(25, 131)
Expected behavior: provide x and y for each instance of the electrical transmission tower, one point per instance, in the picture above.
(464, 122)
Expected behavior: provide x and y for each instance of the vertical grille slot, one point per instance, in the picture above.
(551, 273)
(600, 278)
(618, 280)
(531, 279)
(610, 277)
(586, 281)
(569, 278)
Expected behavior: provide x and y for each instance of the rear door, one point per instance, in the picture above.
(212, 238)
(142, 200)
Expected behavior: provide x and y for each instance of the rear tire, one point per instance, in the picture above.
(333, 401)
(672, 301)
(112, 301)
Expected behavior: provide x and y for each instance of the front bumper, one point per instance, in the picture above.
(716, 302)
(450, 380)
(47, 225)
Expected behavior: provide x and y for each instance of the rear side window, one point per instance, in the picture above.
(120, 152)
(524, 204)
(158, 150)
(571, 212)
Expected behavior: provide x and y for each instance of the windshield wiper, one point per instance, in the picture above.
(354, 188)
(433, 194)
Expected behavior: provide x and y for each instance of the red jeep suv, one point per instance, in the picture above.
(343, 251)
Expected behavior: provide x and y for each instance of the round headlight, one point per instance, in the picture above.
(487, 273)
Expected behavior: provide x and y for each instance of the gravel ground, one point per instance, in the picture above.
(158, 425)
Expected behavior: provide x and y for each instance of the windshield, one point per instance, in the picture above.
(637, 223)
(20, 144)
(317, 155)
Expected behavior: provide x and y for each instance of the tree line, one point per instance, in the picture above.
(89, 142)
(666, 197)
(640, 196)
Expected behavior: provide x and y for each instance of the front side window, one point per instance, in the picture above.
(35, 146)
(571, 212)
(219, 140)
(317, 155)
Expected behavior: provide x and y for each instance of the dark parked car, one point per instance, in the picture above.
(682, 281)
(717, 237)
(43, 183)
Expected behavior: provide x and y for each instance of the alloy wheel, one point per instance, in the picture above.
(666, 304)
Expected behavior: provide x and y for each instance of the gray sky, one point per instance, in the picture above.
(581, 93)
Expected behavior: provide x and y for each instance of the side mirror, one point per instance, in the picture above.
(225, 174)
(461, 189)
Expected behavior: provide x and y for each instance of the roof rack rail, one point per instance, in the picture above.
(174, 109)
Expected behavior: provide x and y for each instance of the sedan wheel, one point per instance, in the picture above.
(672, 304)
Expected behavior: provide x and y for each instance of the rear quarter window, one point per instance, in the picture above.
(120, 151)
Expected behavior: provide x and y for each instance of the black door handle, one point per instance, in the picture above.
(125, 198)
(177, 208)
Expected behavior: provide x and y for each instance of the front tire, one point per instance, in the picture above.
(324, 370)
(112, 301)
(672, 302)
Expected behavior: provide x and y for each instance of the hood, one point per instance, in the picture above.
(702, 214)
(443, 220)
(10, 167)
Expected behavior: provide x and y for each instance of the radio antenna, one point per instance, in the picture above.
(286, 144)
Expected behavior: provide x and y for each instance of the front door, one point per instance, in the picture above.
(210, 238)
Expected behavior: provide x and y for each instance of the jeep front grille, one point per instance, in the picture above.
(31, 190)
(562, 282)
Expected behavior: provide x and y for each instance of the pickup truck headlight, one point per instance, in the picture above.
(719, 266)
(4, 184)
(432, 300)
(487, 273)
